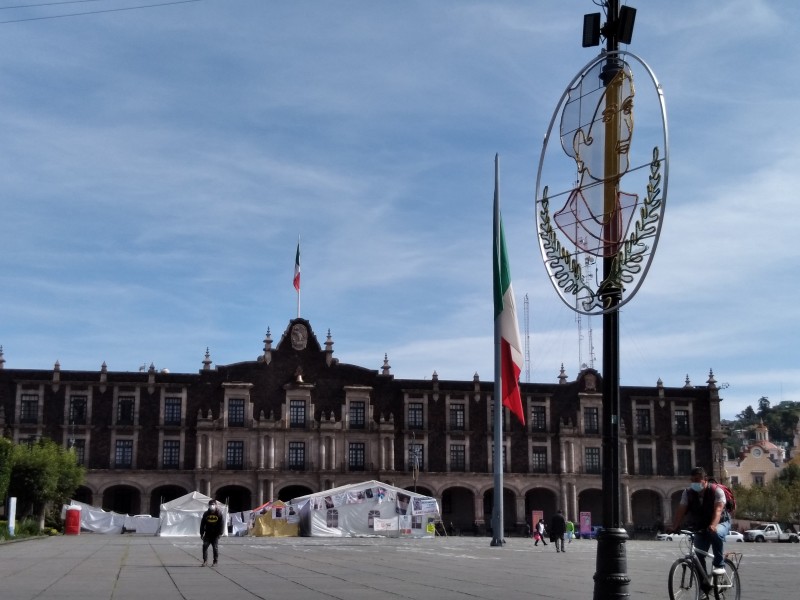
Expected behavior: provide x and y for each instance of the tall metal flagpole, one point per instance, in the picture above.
(497, 509)
(297, 273)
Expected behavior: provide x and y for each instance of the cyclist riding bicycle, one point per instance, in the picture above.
(703, 504)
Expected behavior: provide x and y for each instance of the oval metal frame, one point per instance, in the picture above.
(602, 57)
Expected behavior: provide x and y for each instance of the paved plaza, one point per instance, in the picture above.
(126, 567)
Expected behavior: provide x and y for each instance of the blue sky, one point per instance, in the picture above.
(158, 165)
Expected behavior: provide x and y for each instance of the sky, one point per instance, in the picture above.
(159, 164)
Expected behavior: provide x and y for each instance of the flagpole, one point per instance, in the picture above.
(497, 509)
(297, 276)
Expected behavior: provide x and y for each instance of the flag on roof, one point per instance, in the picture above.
(297, 268)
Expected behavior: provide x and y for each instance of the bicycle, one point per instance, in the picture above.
(689, 580)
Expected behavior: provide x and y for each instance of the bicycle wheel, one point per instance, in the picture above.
(726, 587)
(683, 584)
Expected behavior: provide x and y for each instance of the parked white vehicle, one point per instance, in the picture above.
(668, 537)
(734, 536)
(770, 532)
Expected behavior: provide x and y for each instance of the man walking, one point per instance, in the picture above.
(210, 529)
(558, 527)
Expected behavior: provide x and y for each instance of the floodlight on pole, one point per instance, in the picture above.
(591, 30)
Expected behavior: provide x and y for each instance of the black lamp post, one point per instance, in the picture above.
(611, 578)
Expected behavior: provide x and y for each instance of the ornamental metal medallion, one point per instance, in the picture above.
(601, 191)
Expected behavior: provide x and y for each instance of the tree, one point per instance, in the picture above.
(789, 475)
(763, 406)
(747, 417)
(43, 473)
(6, 453)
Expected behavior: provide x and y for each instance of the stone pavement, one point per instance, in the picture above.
(123, 567)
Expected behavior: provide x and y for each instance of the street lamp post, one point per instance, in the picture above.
(601, 218)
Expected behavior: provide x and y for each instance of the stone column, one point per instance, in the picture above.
(198, 459)
(520, 510)
(260, 456)
(626, 503)
(270, 491)
(322, 454)
(209, 453)
(271, 453)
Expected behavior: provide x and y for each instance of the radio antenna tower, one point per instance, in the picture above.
(527, 340)
(588, 261)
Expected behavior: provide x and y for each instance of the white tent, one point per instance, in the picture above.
(181, 517)
(96, 519)
(370, 508)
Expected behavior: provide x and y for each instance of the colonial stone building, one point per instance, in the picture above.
(296, 421)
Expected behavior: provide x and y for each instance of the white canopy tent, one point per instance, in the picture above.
(370, 508)
(181, 517)
(96, 519)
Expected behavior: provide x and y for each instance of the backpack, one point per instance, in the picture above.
(730, 499)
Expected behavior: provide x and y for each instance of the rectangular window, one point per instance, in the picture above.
(79, 447)
(592, 460)
(458, 457)
(355, 459)
(539, 459)
(645, 461)
(415, 415)
(236, 412)
(297, 456)
(171, 454)
(591, 419)
(297, 414)
(643, 421)
(77, 410)
(416, 457)
(538, 418)
(125, 410)
(682, 422)
(29, 409)
(123, 454)
(358, 411)
(684, 461)
(172, 411)
(758, 479)
(234, 457)
(457, 420)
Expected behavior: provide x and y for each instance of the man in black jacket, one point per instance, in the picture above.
(211, 527)
(703, 503)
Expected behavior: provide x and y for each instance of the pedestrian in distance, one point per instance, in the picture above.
(211, 527)
(558, 528)
(539, 535)
(570, 531)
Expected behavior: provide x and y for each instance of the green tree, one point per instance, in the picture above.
(43, 473)
(6, 454)
(789, 475)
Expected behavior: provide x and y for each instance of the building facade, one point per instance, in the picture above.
(296, 420)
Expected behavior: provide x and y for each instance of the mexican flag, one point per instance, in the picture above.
(297, 269)
(505, 318)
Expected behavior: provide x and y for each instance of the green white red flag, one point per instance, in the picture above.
(505, 318)
(297, 269)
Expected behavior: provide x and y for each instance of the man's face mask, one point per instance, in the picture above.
(697, 486)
